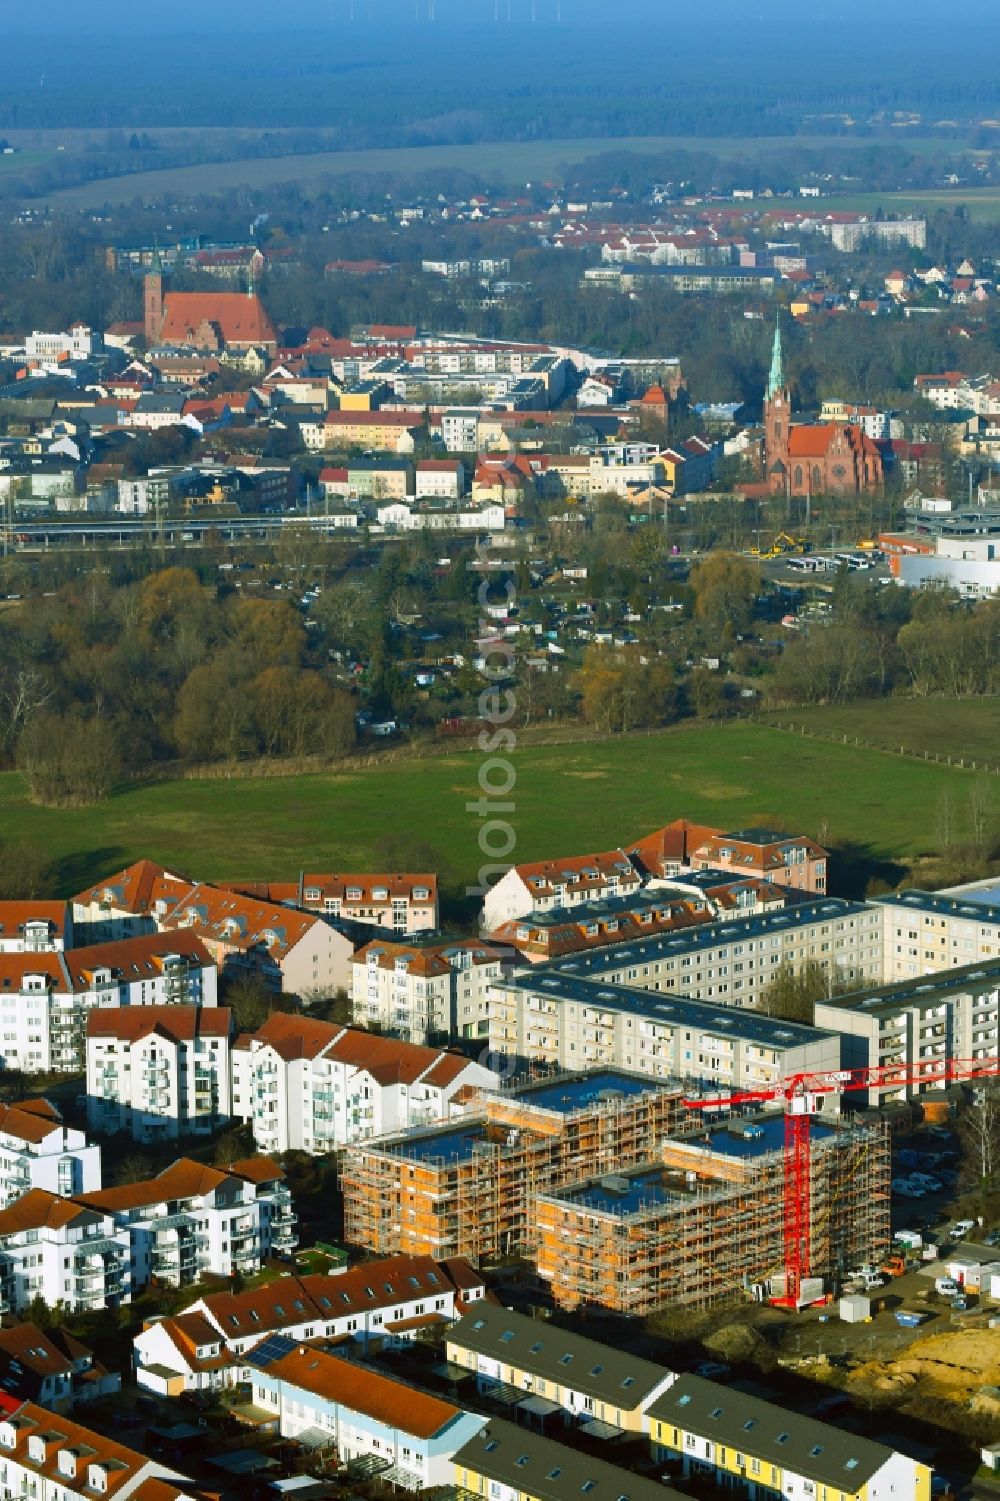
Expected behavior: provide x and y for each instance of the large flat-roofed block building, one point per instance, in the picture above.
(919, 1025)
(705, 1219)
(927, 931)
(551, 1017)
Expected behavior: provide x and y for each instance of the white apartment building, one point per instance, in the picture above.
(128, 903)
(439, 479)
(310, 1086)
(424, 994)
(79, 343)
(733, 961)
(541, 885)
(919, 1024)
(61, 1250)
(591, 1024)
(158, 1073)
(37, 1150)
(392, 1298)
(927, 931)
(191, 1220)
(45, 996)
(460, 429)
(35, 927)
(51, 1458)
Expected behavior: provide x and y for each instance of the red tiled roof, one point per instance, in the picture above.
(240, 319)
(179, 1023)
(364, 1390)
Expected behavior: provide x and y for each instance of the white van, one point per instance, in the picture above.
(947, 1286)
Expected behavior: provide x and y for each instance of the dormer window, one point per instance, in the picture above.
(380, 894)
(353, 893)
(67, 1463)
(97, 1479)
(36, 1449)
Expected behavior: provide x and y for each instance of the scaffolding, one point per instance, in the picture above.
(699, 1227)
(471, 1190)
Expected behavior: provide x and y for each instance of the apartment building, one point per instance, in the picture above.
(406, 902)
(541, 885)
(504, 1462)
(406, 1436)
(382, 432)
(787, 860)
(52, 1368)
(586, 1380)
(52, 1458)
(733, 961)
(659, 907)
(35, 927)
(288, 950)
(758, 1450)
(470, 1188)
(45, 997)
(38, 1150)
(312, 1086)
(158, 1073)
(62, 1251)
(128, 903)
(918, 1027)
(191, 1220)
(704, 1215)
(550, 1017)
(928, 931)
(427, 993)
(391, 1300)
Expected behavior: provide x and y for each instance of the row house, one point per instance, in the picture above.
(288, 950)
(45, 997)
(588, 1381)
(35, 927)
(407, 1435)
(50, 1457)
(505, 1462)
(191, 1220)
(64, 1252)
(427, 993)
(38, 1150)
(541, 885)
(312, 1086)
(206, 1347)
(53, 1368)
(157, 1073)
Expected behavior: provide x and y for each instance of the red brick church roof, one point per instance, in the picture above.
(812, 441)
(240, 318)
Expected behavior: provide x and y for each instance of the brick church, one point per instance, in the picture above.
(214, 321)
(808, 458)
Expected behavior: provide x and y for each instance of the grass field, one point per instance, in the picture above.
(962, 728)
(567, 800)
(983, 204)
(509, 161)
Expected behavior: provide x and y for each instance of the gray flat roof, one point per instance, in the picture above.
(669, 1008)
(549, 1471)
(712, 935)
(951, 906)
(771, 1433)
(556, 1354)
(902, 993)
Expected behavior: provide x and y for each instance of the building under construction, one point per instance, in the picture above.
(705, 1220)
(470, 1189)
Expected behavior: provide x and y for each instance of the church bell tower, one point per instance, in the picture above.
(777, 421)
(152, 301)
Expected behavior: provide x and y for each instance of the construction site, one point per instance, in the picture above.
(705, 1220)
(471, 1189)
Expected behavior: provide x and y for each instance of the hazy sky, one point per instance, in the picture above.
(97, 16)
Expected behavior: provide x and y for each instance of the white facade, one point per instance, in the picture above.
(192, 1220)
(35, 927)
(309, 1087)
(925, 932)
(159, 1073)
(424, 994)
(52, 1458)
(439, 480)
(547, 884)
(38, 1151)
(60, 1250)
(460, 429)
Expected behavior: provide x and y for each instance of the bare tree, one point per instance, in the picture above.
(979, 1132)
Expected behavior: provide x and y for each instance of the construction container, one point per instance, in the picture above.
(855, 1309)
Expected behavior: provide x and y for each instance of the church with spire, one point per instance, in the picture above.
(806, 458)
(215, 321)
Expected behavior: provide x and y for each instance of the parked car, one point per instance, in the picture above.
(712, 1370)
(992, 1239)
(903, 1188)
(961, 1228)
(927, 1181)
(947, 1287)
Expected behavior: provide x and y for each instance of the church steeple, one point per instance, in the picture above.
(776, 380)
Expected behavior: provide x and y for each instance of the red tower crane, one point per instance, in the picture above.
(802, 1095)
